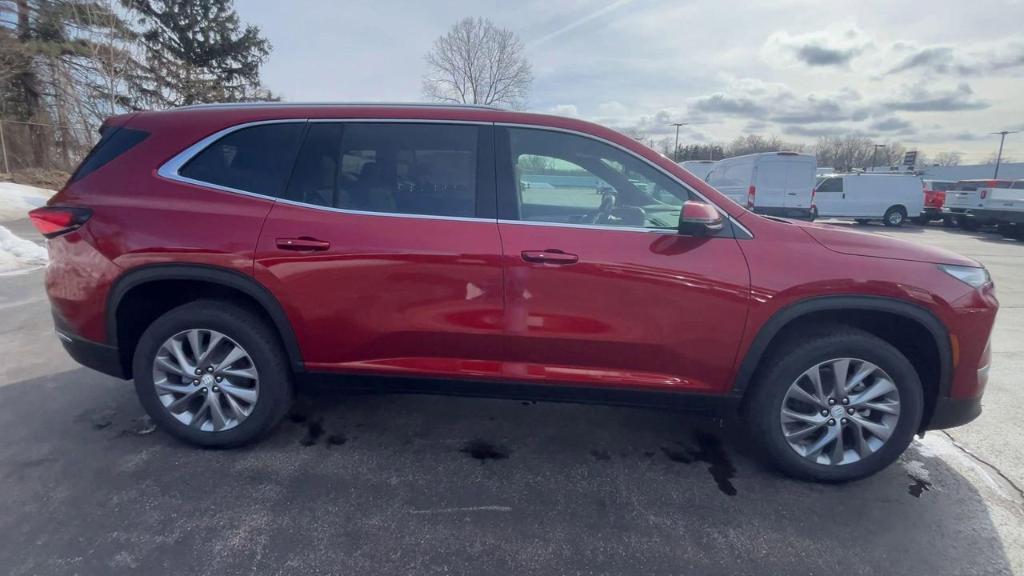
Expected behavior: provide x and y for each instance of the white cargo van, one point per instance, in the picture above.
(891, 198)
(698, 168)
(775, 183)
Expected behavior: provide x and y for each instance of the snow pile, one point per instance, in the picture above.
(17, 199)
(18, 254)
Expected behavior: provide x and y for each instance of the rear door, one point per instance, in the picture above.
(601, 289)
(770, 182)
(385, 253)
(799, 181)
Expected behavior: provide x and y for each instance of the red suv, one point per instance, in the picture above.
(217, 254)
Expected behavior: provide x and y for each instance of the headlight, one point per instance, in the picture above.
(976, 277)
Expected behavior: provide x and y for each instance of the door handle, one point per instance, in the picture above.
(791, 193)
(550, 256)
(302, 244)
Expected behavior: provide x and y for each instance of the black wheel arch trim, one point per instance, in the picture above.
(794, 311)
(248, 285)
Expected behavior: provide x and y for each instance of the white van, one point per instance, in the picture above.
(891, 198)
(698, 168)
(775, 183)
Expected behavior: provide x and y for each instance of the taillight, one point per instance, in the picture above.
(751, 192)
(52, 221)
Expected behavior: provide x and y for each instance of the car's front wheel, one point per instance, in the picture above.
(835, 406)
(212, 373)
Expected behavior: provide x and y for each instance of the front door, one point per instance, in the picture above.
(385, 251)
(600, 288)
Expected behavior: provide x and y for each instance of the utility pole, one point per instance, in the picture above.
(675, 149)
(3, 146)
(999, 156)
(874, 154)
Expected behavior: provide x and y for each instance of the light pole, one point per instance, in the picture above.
(999, 156)
(874, 154)
(675, 149)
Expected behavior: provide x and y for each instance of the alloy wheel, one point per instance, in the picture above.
(840, 411)
(205, 380)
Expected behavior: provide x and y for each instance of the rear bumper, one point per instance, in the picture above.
(99, 357)
(932, 212)
(998, 216)
(950, 412)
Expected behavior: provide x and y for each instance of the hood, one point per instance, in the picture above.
(880, 246)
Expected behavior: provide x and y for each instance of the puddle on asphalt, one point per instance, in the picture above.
(918, 487)
(314, 430)
(483, 451)
(710, 451)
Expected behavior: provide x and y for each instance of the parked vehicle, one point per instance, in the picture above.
(698, 168)
(1002, 207)
(934, 197)
(775, 183)
(891, 198)
(964, 196)
(218, 254)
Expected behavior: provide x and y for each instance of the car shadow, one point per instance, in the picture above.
(390, 484)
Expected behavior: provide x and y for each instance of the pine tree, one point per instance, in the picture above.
(197, 51)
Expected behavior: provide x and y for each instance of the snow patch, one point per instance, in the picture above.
(18, 254)
(17, 199)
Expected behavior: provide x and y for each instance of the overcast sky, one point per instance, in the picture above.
(937, 75)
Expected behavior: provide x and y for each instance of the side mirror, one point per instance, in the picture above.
(699, 219)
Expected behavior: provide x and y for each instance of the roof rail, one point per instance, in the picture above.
(378, 104)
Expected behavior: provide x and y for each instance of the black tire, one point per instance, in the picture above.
(790, 359)
(950, 221)
(969, 224)
(248, 331)
(895, 216)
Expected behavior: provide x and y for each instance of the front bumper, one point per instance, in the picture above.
(950, 412)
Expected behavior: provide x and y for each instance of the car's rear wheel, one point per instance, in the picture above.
(835, 406)
(951, 221)
(969, 224)
(212, 373)
(894, 216)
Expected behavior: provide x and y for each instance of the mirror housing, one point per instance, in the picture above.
(699, 219)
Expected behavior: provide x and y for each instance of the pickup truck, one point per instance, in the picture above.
(965, 196)
(1003, 207)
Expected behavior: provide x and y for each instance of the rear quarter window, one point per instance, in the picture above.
(113, 143)
(256, 159)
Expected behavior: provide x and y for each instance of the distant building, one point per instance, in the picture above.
(1009, 170)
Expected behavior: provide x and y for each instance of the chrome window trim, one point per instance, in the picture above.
(672, 177)
(672, 231)
(170, 169)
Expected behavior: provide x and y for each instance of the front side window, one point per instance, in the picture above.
(830, 185)
(256, 159)
(425, 169)
(570, 179)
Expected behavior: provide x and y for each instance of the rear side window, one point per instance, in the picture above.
(257, 159)
(942, 186)
(423, 169)
(113, 143)
(1018, 185)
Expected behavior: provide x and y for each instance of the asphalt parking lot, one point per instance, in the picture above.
(363, 484)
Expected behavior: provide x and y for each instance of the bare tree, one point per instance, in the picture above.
(478, 63)
(755, 143)
(947, 159)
